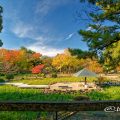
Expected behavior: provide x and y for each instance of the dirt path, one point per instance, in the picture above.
(112, 76)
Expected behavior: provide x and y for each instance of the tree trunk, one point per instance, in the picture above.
(85, 80)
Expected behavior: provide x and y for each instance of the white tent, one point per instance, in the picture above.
(85, 73)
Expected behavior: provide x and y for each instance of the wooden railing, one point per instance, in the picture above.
(58, 106)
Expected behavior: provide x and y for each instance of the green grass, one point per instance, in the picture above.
(10, 93)
(14, 93)
(48, 81)
(18, 115)
(108, 93)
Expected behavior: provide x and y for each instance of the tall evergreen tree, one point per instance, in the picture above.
(1, 10)
(82, 54)
(103, 35)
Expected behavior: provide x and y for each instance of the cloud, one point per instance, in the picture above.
(22, 30)
(40, 41)
(41, 45)
(43, 39)
(89, 28)
(45, 50)
(44, 6)
(69, 36)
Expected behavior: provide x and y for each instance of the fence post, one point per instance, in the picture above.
(56, 115)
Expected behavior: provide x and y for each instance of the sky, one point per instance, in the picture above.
(45, 26)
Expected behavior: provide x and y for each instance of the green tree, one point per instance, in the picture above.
(82, 54)
(101, 37)
(1, 11)
(111, 57)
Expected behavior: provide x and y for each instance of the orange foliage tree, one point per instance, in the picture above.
(93, 65)
(17, 61)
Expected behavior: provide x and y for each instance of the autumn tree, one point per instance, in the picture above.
(8, 60)
(47, 61)
(28, 60)
(37, 69)
(49, 68)
(66, 63)
(93, 65)
(18, 61)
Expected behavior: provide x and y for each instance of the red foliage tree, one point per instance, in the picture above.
(36, 55)
(37, 69)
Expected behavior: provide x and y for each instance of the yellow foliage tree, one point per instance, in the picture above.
(66, 63)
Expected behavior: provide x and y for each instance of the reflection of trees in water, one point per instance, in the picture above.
(95, 115)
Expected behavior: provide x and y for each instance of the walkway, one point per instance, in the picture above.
(72, 86)
(68, 86)
(22, 85)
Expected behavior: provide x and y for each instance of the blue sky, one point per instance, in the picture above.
(45, 26)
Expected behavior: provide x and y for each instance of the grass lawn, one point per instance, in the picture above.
(17, 94)
(18, 115)
(48, 81)
(108, 93)
(10, 93)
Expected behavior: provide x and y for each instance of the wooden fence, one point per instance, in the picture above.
(56, 107)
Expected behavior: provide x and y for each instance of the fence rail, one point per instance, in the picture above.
(57, 106)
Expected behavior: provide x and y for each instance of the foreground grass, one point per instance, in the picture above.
(48, 81)
(10, 93)
(14, 93)
(108, 93)
(18, 115)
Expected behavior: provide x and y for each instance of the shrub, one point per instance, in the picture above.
(54, 75)
(1, 74)
(42, 75)
(9, 76)
(82, 97)
(2, 80)
(102, 80)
